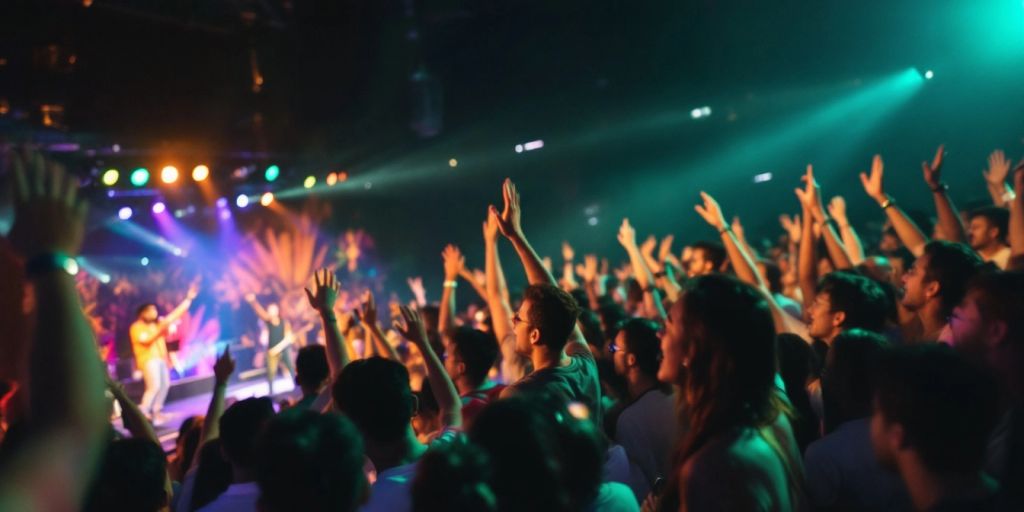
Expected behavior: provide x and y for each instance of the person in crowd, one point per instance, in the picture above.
(185, 447)
(240, 427)
(842, 472)
(471, 355)
(545, 326)
(454, 478)
(310, 461)
(987, 232)
(932, 419)
(845, 300)
(375, 394)
(646, 427)
(738, 452)
(280, 339)
(798, 367)
(131, 478)
(706, 258)
(936, 283)
(311, 374)
(149, 343)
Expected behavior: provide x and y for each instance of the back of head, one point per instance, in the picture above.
(213, 474)
(520, 443)
(553, 312)
(240, 427)
(862, 300)
(590, 324)
(849, 370)
(952, 265)
(311, 367)
(453, 478)
(188, 441)
(643, 342)
(131, 478)
(772, 274)
(611, 314)
(375, 394)
(476, 349)
(1000, 298)
(582, 452)
(947, 407)
(729, 341)
(311, 461)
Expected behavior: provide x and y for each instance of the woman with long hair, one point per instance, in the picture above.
(738, 451)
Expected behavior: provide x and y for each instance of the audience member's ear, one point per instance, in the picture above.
(997, 331)
(838, 318)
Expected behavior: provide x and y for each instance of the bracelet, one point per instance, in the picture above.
(451, 284)
(1009, 196)
(47, 262)
(941, 187)
(660, 273)
(725, 229)
(888, 202)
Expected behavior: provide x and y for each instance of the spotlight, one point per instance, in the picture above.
(222, 202)
(453, 163)
(159, 207)
(928, 75)
(200, 173)
(309, 182)
(700, 112)
(144, 261)
(332, 179)
(272, 173)
(342, 176)
(592, 221)
(242, 201)
(267, 198)
(533, 144)
(169, 174)
(139, 177)
(519, 148)
(125, 213)
(763, 177)
(110, 177)
(225, 214)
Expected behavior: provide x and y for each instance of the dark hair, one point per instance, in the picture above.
(713, 252)
(846, 381)
(520, 443)
(240, 426)
(375, 394)
(213, 474)
(476, 349)
(952, 265)
(311, 367)
(946, 406)
(130, 478)
(643, 342)
(553, 312)
(453, 477)
(996, 216)
(580, 295)
(862, 300)
(1000, 297)
(188, 437)
(140, 309)
(611, 314)
(311, 461)
(772, 274)
(582, 451)
(796, 363)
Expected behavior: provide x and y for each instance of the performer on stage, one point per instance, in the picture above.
(280, 339)
(148, 334)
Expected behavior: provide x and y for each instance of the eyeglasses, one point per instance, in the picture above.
(613, 348)
(516, 320)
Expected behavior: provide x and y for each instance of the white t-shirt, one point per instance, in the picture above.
(237, 498)
(647, 430)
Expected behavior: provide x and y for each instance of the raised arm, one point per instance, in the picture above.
(510, 225)
(568, 274)
(497, 290)
(950, 224)
(477, 279)
(908, 232)
(807, 259)
(593, 280)
(854, 247)
(257, 308)
(178, 312)
(644, 277)
(65, 378)
(441, 384)
(322, 300)
(810, 198)
(1016, 229)
(454, 262)
(222, 370)
(368, 315)
(995, 179)
(418, 291)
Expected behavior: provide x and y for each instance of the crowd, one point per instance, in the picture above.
(819, 374)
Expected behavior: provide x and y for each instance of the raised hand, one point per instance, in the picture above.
(510, 219)
(1018, 179)
(49, 217)
(454, 262)
(413, 329)
(792, 226)
(478, 276)
(647, 248)
(627, 235)
(250, 297)
(567, 252)
(193, 291)
(491, 226)
(873, 184)
(837, 209)
(546, 261)
(810, 195)
(367, 313)
(933, 172)
(325, 292)
(665, 248)
(737, 227)
(588, 270)
(710, 211)
(998, 168)
(416, 286)
(224, 367)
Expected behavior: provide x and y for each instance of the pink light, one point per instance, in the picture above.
(159, 207)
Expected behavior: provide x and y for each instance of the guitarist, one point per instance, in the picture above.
(279, 339)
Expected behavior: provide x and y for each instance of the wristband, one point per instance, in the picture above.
(941, 187)
(725, 229)
(888, 202)
(1009, 196)
(451, 284)
(660, 273)
(47, 262)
